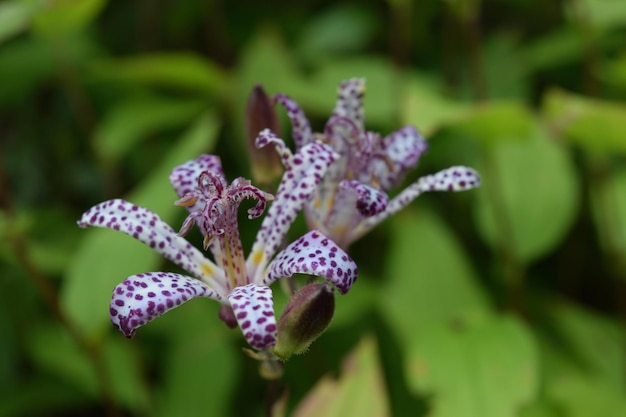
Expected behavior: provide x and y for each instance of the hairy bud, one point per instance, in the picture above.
(307, 314)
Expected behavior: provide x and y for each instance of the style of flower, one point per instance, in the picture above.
(240, 285)
(352, 198)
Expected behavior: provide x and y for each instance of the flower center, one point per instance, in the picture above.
(213, 207)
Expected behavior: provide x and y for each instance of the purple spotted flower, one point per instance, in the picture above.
(241, 285)
(352, 198)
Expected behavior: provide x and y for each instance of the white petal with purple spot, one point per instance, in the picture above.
(267, 137)
(301, 129)
(299, 181)
(147, 227)
(143, 297)
(253, 307)
(350, 101)
(457, 178)
(402, 150)
(369, 200)
(184, 178)
(314, 254)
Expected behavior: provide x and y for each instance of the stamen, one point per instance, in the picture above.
(206, 242)
(375, 181)
(387, 160)
(187, 201)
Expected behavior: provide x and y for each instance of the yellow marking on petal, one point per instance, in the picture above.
(331, 199)
(339, 230)
(207, 270)
(257, 257)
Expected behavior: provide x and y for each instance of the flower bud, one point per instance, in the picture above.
(260, 114)
(305, 317)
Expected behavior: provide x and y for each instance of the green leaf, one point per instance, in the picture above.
(430, 279)
(608, 203)
(342, 29)
(180, 70)
(51, 246)
(200, 366)
(593, 124)
(577, 396)
(580, 341)
(124, 368)
(135, 119)
(425, 106)
(602, 14)
(105, 257)
(359, 391)
(506, 75)
(613, 72)
(66, 16)
(496, 121)
(357, 303)
(41, 397)
(486, 368)
(564, 46)
(560, 47)
(15, 17)
(268, 61)
(583, 360)
(52, 349)
(529, 196)
(26, 63)
(541, 408)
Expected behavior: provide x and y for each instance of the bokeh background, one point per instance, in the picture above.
(509, 300)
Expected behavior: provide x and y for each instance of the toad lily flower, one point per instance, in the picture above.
(240, 285)
(352, 198)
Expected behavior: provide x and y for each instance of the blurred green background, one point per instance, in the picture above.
(509, 300)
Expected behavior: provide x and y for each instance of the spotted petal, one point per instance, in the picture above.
(267, 137)
(302, 176)
(301, 129)
(367, 200)
(457, 178)
(184, 178)
(350, 101)
(253, 308)
(402, 150)
(147, 227)
(144, 297)
(314, 254)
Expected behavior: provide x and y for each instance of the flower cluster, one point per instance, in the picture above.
(352, 198)
(241, 285)
(339, 178)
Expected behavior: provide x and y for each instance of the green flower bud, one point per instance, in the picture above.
(306, 316)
